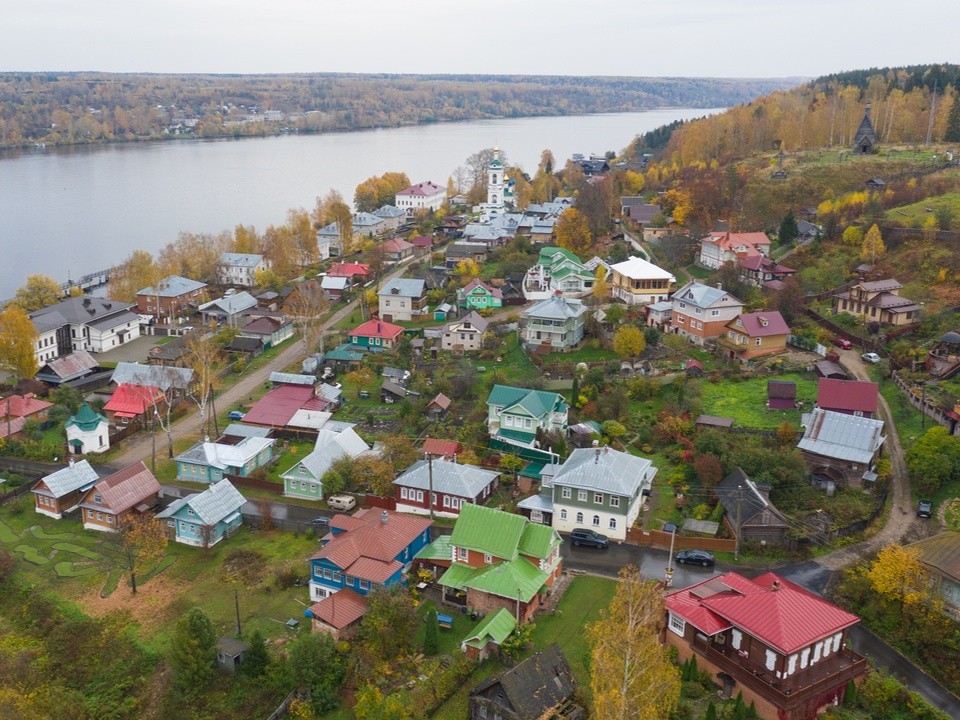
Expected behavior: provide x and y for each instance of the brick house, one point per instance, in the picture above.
(494, 559)
(780, 645)
(107, 504)
(701, 312)
(171, 298)
(877, 301)
(422, 196)
(453, 485)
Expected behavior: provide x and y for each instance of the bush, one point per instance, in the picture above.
(693, 690)
(285, 577)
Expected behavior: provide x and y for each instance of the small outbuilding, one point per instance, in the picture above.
(230, 653)
(781, 394)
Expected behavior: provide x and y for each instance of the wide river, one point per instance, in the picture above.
(70, 211)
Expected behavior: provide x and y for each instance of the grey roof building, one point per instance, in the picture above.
(451, 480)
(163, 377)
(173, 286)
(212, 505)
(404, 287)
(227, 309)
(557, 321)
(749, 510)
(839, 448)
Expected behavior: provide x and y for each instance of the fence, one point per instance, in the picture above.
(252, 483)
(659, 538)
(284, 707)
(384, 503)
(924, 404)
(15, 493)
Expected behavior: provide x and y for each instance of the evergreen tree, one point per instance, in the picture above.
(711, 713)
(430, 643)
(788, 230)
(953, 119)
(850, 694)
(193, 649)
(257, 658)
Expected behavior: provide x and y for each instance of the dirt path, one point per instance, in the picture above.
(901, 518)
(139, 446)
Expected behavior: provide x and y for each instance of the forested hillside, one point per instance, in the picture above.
(907, 105)
(65, 108)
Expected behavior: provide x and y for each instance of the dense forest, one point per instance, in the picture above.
(908, 105)
(69, 108)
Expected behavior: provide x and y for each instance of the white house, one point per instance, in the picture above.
(422, 196)
(240, 268)
(402, 299)
(721, 247)
(87, 432)
(83, 323)
(638, 282)
(557, 321)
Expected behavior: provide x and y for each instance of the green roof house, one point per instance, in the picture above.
(87, 432)
(559, 270)
(515, 414)
(486, 638)
(496, 560)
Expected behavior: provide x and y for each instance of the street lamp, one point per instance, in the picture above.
(668, 573)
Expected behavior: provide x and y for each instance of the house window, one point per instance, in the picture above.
(527, 423)
(598, 498)
(565, 492)
(771, 660)
(336, 576)
(680, 319)
(109, 519)
(302, 470)
(759, 341)
(419, 495)
(508, 420)
(327, 574)
(462, 554)
(563, 513)
(97, 498)
(714, 313)
(579, 517)
(364, 584)
(100, 516)
(677, 624)
(613, 523)
(736, 637)
(596, 521)
(683, 306)
(487, 558)
(614, 501)
(582, 495)
(446, 501)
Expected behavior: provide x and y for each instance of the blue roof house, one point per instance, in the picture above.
(209, 462)
(204, 519)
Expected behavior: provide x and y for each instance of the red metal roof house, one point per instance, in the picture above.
(850, 397)
(375, 335)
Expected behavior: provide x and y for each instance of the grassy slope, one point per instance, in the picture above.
(746, 401)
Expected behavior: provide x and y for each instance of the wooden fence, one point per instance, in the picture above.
(661, 539)
(254, 484)
(925, 404)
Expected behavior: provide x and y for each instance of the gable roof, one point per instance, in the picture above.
(22, 406)
(396, 245)
(739, 494)
(535, 402)
(172, 286)
(840, 436)
(83, 310)
(127, 488)
(494, 628)
(265, 326)
(443, 448)
(476, 284)
(231, 304)
(441, 401)
(245, 260)
(223, 457)
(377, 329)
(765, 323)
(339, 610)
(79, 475)
(132, 400)
(852, 395)
(536, 685)
(730, 240)
(161, 377)
(487, 530)
(283, 378)
(605, 470)
(278, 406)
(557, 307)
(637, 268)
(348, 269)
(704, 296)
(941, 552)
(449, 478)
(214, 504)
(422, 189)
(475, 319)
(77, 363)
(404, 287)
(773, 610)
(329, 447)
(782, 389)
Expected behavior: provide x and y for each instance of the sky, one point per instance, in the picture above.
(692, 38)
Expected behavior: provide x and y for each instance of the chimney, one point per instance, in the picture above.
(775, 586)
(606, 450)
(384, 517)
(596, 455)
(596, 443)
(719, 286)
(70, 462)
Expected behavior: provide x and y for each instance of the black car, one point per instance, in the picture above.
(924, 509)
(589, 538)
(695, 557)
(322, 520)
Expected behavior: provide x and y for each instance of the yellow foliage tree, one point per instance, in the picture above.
(632, 182)
(898, 575)
(629, 342)
(872, 248)
(601, 287)
(573, 232)
(137, 272)
(853, 236)
(38, 292)
(631, 675)
(467, 269)
(18, 340)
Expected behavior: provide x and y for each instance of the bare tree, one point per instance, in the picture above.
(205, 359)
(305, 308)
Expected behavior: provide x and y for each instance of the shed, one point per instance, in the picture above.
(714, 421)
(781, 394)
(230, 652)
(694, 368)
(438, 406)
(485, 639)
(830, 369)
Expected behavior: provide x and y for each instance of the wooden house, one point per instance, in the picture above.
(61, 491)
(110, 501)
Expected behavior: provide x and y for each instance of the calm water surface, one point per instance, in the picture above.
(67, 212)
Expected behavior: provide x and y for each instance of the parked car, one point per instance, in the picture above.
(236, 415)
(924, 509)
(871, 358)
(695, 557)
(322, 520)
(842, 343)
(589, 538)
(342, 502)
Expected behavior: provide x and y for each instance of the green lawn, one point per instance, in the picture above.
(910, 422)
(584, 353)
(915, 215)
(746, 401)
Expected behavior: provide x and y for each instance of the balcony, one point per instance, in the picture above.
(833, 671)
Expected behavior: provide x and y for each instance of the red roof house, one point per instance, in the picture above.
(422, 242)
(349, 270)
(752, 335)
(759, 270)
(448, 449)
(106, 505)
(375, 335)
(396, 249)
(781, 394)
(338, 614)
(277, 408)
(780, 645)
(24, 406)
(130, 403)
(850, 397)
(723, 247)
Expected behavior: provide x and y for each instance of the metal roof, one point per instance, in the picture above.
(449, 478)
(639, 269)
(605, 470)
(246, 260)
(557, 307)
(283, 378)
(172, 286)
(850, 395)
(403, 287)
(840, 436)
(330, 446)
(231, 304)
(76, 476)
(703, 296)
(495, 627)
(212, 505)
(487, 530)
(155, 375)
(126, 488)
(225, 456)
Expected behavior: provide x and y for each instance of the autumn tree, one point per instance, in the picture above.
(305, 308)
(282, 251)
(872, 248)
(631, 675)
(18, 340)
(305, 237)
(601, 286)
(38, 292)
(245, 240)
(314, 664)
(132, 275)
(853, 236)
(204, 358)
(331, 208)
(375, 473)
(934, 459)
(360, 378)
(399, 451)
(789, 300)
(709, 470)
(388, 630)
(138, 546)
(377, 191)
(898, 576)
(629, 342)
(195, 255)
(193, 648)
(573, 232)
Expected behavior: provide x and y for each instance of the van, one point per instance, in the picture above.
(342, 502)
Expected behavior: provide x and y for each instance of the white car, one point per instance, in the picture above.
(871, 358)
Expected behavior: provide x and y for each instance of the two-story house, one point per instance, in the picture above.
(422, 196)
(718, 248)
(850, 397)
(209, 462)
(392, 216)
(760, 271)
(494, 559)
(366, 550)
(204, 519)
(840, 449)
(515, 415)
(940, 556)
(877, 301)
(375, 335)
(558, 269)
(638, 282)
(756, 334)
(701, 312)
(557, 321)
(402, 299)
(477, 295)
(271, 331)
(171, 298)
(228, 310)
(108, 504)
(596, 488)
(780, 645)
(240, 268)
(305, 478)
(464, 334)
(457, 252)
(61, 491)
(83, 323)
(450, 484)
(174, 382)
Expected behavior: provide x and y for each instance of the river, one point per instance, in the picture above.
(65, 212)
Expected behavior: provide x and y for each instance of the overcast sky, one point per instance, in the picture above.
(702, 38)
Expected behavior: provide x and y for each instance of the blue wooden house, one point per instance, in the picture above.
(209, 462)
(369, 549)
(204, 519)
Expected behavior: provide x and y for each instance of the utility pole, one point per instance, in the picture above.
(213, 410)
(153, 443)
(736, 551)
(430, 476)
(236, 604)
